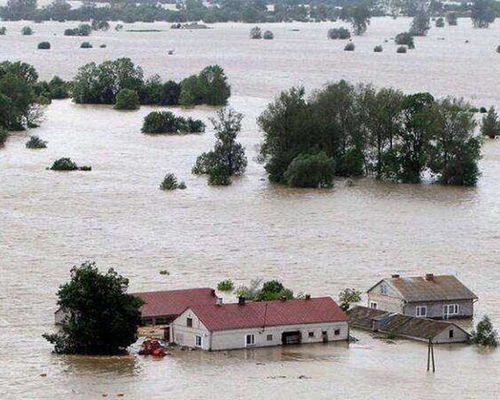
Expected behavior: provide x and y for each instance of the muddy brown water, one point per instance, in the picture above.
(315, 241)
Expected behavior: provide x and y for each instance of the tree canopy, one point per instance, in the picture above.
(368, 131)
(101, 317)
(482, 13)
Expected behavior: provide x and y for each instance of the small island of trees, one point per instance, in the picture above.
(158, 122)
(362, 131)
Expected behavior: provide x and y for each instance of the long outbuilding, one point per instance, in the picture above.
(259, 324)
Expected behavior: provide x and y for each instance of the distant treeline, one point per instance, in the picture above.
(357, 130)
(224, 10)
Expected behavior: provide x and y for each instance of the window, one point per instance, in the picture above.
(250, 340)
(450, 309)
(421, 311)
(311, 334)
(269, 338)
(451, 334)
(373, 305)
(189, 322)
(336, 332)
(383, 289)
(197, 341)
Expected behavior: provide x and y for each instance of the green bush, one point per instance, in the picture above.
(338, 33)
(82, 30)
(26, 31)
(378, 49)
(219, 175)
(498, 48)
(86, 45)
(3, 136)
(102, 46)
(36, 143)
(349, 47)
(166, 122)
(401, 49)
(170, 183)
(268, 35)
(127, 99)
(64, 164)
(405, 38)
(311, 171)
(3, 30)
(44, 46)
(256, 33)
(484, 334)
(440, 23)
(226, 285)
(451, 18)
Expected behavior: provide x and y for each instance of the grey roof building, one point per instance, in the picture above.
(431, 296)
(423, 329)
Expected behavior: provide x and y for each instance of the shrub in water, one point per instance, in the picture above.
(44, 46)
(170, 183)
(167, 122)
(311, 171)
(268, 35)
(401, 49)
(256, 33)
(440, 23)
(339, 33)
(127, 99)
(64, 164)
(349, 47)
(36, 143)
(3, 30)
(498, 49)
(451, 18)
(86, 45)
(225, 285)
(405, 38)
(102, 46)
(82, 30)
(378, 49)
(485, 335)
(26, 30)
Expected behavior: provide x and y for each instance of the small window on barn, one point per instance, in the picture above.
(311, 334)
(421, 311)
(383, 289)
(269, 338)
(250, 340)
(451, 333)
(336, 332)
(189, 321)
(373, 305)
(197, 341)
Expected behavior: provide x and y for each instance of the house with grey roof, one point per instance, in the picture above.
(422, 329)
(429, 296)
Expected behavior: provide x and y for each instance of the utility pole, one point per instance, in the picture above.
(430, 356)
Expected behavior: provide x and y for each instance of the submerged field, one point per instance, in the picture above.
(316, 241)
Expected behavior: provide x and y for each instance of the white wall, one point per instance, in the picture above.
(183, 335)
(391, 301)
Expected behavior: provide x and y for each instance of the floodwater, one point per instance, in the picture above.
(315, 241)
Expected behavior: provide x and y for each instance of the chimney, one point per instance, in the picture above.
(241, 300)
(429, 277)
(308, 297)
(394, 276)
(218, 301)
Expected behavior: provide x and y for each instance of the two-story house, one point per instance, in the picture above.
(431, 296)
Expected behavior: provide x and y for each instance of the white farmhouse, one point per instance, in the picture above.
(258, 324)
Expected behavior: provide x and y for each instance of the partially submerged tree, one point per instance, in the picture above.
(359, 17)
(338, 33)
(228, 156)
(406, 39)
(158, 122)
(127, 99)
(170, 182)
(268, 35)
(311, 171)
(490, 124)
(36, 143)
(484, 334)
(102, 317)
(421, 23)
(255, 33)
(482, 13)
(452, 18)
(348, 296)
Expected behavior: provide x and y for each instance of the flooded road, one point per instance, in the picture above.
(314, 241)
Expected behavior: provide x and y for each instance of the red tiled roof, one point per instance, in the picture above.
(269, 313)
(174, 302)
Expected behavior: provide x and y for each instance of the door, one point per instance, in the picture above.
(291, 338)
